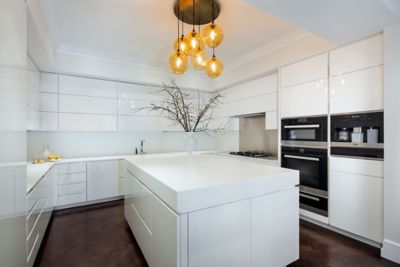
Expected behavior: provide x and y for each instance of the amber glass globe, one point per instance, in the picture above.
(214, 67)
(212, 35)
(183, 44)
(199, 60)
(196, 43)
(178, 62)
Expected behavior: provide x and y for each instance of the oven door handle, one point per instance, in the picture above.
(301, 126)
(300, 157)
(309, 197)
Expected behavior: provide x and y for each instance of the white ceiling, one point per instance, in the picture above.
(142, 31)
(340, 21)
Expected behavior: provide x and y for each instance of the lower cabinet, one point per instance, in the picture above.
(226, 235)
(39, 208)
(356, 196)
(102, 179)
(71, 183)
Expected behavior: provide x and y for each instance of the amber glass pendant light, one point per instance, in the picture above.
(178, 60)
(212, 33)
(182, 41)
(214, 66)
(196, 44)
(199, 59)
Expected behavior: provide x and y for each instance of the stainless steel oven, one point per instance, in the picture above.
(313, 166)
(304, 131)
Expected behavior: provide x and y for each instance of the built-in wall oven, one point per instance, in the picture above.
(313, 166)
(305, 148)
(305, 130)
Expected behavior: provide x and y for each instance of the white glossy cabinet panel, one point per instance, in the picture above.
(91, 105)
(133, 92)
(271, 120)
(74, 85)
(311, 69)
(141, 199)
(71, 199)
(363, 54)
(356, 197)
(68, 168)
(49, 83)
(265, 228)
(220, 236)
(252, 105)
(307, 99)
(48, 121)
(102, 179)
(357, 91)
(261, 86)
(48, 102)
(87, 122)
(145, 123)
(7, 191)
(165, 236)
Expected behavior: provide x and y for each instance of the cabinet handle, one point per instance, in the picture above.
(300, 157)
(309, 197)
(301, 126)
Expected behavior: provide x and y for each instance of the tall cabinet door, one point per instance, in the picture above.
(102, 179)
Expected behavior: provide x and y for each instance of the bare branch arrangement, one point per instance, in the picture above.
(182, 109)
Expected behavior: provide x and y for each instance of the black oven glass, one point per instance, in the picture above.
(302, 134)
(311, 163)
(309, 171)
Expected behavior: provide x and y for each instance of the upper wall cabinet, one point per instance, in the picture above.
(304, 88)
(307, 70)
(356, 56)
(73, 85)
(356, 77)
(255, 96)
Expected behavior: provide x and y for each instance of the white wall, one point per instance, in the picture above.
(391, 243)
(86, 144)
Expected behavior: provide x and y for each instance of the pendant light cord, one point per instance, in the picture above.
(179, 7)
(212, 10)
(193, 16)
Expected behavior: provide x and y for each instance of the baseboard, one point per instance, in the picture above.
(87, 203)
(391, 251)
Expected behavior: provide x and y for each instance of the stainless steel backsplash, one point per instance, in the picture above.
(254, 137)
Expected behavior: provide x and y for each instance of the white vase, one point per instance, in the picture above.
(190, 138)
(46, 152)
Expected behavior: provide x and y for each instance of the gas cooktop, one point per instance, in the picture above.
(252, 154)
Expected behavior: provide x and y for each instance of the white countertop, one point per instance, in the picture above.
(208, 179)
(35, 172)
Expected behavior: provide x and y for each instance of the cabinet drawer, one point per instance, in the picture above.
(357, 166)
(33, 248)
(34, 216)
(140, 230)
(67, 189)
(71, 168)
(72, 178)
(71, 199)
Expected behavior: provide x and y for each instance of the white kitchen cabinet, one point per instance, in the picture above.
(311, 69)
(87, 105)
(262, 208)
(356, 196)
(48, 83)
(102, 179)
(216, 241)
(271, 120)
(71, 183)
(39, 209)
(357, 91)
(307, 99)
(87, 122)
(360, 55)
(74, 85)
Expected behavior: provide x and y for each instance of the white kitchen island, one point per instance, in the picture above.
(212, 210)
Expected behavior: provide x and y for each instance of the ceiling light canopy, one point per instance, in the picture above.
(192, 46)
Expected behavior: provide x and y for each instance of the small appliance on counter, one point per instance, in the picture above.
(357, 135)
(253, 154)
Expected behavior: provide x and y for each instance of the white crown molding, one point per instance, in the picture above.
(283, 41)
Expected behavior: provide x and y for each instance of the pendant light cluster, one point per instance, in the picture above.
(191, 48)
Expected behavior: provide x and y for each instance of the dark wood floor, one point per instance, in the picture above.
(98, 235)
